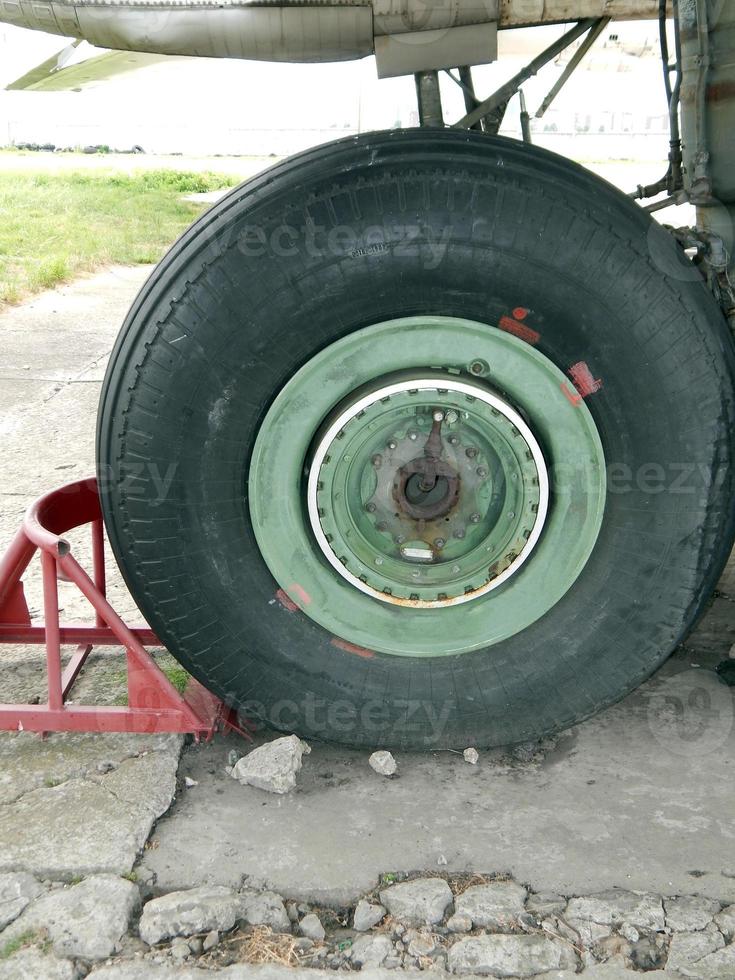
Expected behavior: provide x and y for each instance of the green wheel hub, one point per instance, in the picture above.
(427, 491)
(426, 487)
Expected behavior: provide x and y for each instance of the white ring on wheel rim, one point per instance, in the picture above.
(424, 384)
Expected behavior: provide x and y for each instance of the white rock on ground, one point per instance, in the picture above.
(383, 763)
(510, 956)
(494, 905)
(690, 913)
(371, 950)
(472, 756)
(16, 891)
(87, 920)
(688, 949)
(725, 922)
(613, 907)
(185, 913)
(265, 909)
(367, 915)
(32, 964)
(423, 900)
(272, 767)
(311, 927)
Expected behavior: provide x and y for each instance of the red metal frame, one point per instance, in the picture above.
(154, 704)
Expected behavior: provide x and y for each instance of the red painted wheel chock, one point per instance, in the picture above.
(154, 704)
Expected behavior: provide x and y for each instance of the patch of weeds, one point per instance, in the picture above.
(131, 876)
(178, 677)
(28, 938)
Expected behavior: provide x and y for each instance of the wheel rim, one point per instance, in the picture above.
(328, 520)
(427, 491)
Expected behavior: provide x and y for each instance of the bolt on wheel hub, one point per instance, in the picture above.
(428, 491)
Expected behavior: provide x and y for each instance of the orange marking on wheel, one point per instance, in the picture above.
(286, 601)
(573, 396)
(584, 380)
(520, 330)
(520, 313)
(300, 594)
(351, 648)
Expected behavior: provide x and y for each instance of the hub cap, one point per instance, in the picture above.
(427, 492)
(400, 497)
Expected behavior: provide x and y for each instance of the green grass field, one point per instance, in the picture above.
(55, 226)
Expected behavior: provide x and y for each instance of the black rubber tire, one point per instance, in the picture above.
(606, 286)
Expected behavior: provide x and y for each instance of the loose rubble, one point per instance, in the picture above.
(510, 956)
(472, 756)
(492, 906)
(311, 927)
(367, 915)
(383, 763)
(186, 913)
(454, 926)
(423, 900)
(272, 767)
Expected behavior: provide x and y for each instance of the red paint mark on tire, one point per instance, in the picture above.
(300, 593)
(520, 313)
(286, 601)
(584, 381)
(520, 330)
(351, 648)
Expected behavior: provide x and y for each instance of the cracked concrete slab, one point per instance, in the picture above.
(89, 821)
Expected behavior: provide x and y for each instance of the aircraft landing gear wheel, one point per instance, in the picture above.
(419, 440)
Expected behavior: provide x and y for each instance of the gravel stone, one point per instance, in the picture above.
(510, 956)
(272, 767)
(311, 927)
(185, 913)
(690, 913)
(495, 905)
(422, 944)
(545, 903)
(87, 920)
(472, 756)
(367, 915)
(613, 907)
(180, 949)
(687, 949)
(383, 763)
(629, 932)
(371, 950)
(459, 922)
(423, 900)
(32, 964)
(17, 889)
(265, 909)
(210, 940)
(725, 922)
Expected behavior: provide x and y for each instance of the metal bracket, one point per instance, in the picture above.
(154, 704)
